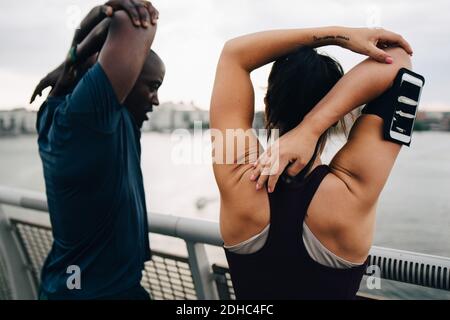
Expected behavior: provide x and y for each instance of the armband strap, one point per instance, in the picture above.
(398, 106)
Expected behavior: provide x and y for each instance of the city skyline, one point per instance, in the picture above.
(173, 116)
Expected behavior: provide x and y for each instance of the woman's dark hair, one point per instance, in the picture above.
(297, 82)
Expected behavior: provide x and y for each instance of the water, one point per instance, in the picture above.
(413, 212)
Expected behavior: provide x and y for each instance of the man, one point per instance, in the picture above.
(89, 143)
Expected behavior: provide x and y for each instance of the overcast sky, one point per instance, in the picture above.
(35, 36)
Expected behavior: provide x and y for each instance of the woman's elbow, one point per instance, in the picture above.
(229, 50)
(401, 58)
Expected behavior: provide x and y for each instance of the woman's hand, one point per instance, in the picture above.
(371, 42)
(295, 148)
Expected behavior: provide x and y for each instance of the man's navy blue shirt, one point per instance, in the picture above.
(90, 149)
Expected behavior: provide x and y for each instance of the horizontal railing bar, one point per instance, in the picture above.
(23, 198)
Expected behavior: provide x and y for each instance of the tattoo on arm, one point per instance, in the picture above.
(330, 37)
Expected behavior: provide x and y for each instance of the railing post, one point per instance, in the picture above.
(202, 276)
(18, 275)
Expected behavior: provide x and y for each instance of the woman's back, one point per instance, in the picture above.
(282, 268)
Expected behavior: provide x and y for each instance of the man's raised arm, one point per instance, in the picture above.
(89, 38)
(124, 52)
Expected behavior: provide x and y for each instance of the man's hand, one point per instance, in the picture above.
(63, 78)
(371, 42)
(142, 13)
(48, 81)
(294, 148)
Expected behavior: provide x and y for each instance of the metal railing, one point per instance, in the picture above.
(25, 240)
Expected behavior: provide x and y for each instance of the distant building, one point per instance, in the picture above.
(17, 121)
(445, 122)
(434, 121)
(170, 116)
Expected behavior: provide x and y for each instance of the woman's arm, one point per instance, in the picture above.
(258, 49)
(366, 160)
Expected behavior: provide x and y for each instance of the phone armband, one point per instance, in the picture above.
(398, 106)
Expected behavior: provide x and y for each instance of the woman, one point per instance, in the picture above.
(309, 239)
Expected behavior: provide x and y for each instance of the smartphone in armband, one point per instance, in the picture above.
(407, 91)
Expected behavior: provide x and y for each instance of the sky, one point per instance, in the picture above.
(35, 36)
